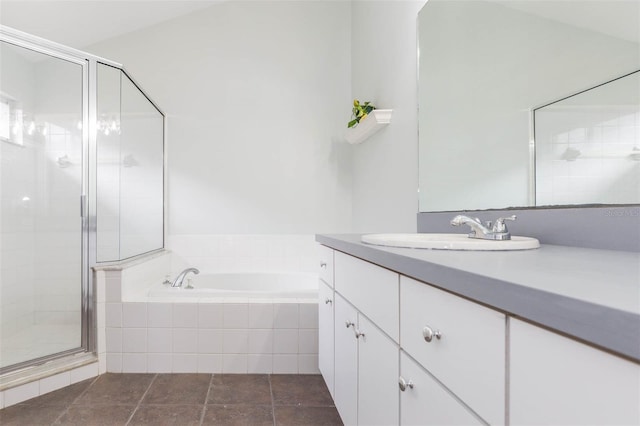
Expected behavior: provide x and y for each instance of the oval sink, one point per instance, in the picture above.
(449, 242)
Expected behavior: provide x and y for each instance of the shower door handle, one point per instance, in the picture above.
(83, 206)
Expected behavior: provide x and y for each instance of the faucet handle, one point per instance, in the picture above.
(500, 226)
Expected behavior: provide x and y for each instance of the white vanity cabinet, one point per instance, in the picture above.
(424, 401)
(346, 361)
(377, 376)
(555, 380)
(460, 342)
(416, 354)
(326, 334)
(366, 331)
(325, 317)
(366, 369)
(325, 271)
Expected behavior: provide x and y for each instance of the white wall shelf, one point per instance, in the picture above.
(375, 121)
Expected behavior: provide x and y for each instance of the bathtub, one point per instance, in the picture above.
(236, 323)
(241, 285)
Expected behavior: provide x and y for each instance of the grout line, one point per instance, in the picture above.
(206, 399)
(66, 410)
(273, 405)
(140, 402)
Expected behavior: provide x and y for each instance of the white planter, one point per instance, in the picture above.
(376, 120)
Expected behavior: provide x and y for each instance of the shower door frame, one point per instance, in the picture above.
(87, 201)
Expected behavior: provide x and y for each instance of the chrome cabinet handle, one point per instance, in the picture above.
(403, 384)
(323, 264)
(428, 333)
(357, 332)
(328, 301)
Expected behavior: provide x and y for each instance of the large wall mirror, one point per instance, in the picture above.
(528, 103)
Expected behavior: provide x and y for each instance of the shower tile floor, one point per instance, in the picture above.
(181, 399)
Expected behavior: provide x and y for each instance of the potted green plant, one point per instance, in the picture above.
(359, 112)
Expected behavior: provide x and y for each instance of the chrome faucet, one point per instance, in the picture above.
(178, 281)
(488, 231)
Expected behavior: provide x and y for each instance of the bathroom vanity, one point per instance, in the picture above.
(419, 337)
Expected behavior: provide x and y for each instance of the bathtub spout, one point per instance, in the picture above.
(178, 281)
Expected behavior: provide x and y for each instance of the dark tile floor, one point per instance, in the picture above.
(181, 399)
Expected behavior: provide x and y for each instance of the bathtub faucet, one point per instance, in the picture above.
(178, 281)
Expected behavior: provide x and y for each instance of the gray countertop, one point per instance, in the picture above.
(589, 294)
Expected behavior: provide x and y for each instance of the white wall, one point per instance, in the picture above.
(385, 168)
(256, 94)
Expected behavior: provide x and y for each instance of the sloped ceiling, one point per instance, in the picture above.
(81, 23)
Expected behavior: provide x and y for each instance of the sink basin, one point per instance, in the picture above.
(449, 242)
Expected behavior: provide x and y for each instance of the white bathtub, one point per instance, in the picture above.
(241, 285)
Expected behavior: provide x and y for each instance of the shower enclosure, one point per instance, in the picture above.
(81, 182)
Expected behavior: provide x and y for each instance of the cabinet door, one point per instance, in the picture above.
(325, 334)
(466, 350)
(378, 399)
(346, 361)
(559, 381)
(325, 270)
(371, 289)
(426, 402)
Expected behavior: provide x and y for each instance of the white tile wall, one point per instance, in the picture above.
(285, 315)
(210, 315)
(214, 337)
(159, 340)
(134, 340)
(159, 363)
(134, 315)
(235, 315)
(210, 341)
(261, 315)
(234, 363)
(285, 364)
(113, 314)
(159, 315)
(209, 363)
(134, 363)
(185, 363)
(185, 340)
(185, 315)
(260, 364)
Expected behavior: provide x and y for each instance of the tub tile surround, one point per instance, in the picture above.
(215, 338)
(232, 335)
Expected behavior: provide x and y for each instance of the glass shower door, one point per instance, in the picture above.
(41, 183)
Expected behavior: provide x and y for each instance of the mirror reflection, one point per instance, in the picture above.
(588, 146)
(485, 66)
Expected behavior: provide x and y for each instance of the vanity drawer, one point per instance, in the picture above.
(371, 289)
(466, 350)
(325, 266)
